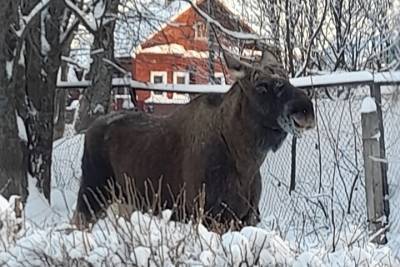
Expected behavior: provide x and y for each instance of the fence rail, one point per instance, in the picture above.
(333, 79)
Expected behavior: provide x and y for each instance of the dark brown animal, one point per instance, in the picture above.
(217, 142)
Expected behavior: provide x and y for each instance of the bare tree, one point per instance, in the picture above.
(38, 55)
(68, 28)
(12, 169)
(326, 35)
(96, 99)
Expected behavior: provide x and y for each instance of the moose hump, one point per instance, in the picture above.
(213, 148)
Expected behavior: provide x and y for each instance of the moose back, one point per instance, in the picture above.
(215, 145)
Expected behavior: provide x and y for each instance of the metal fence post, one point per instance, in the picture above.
(375, 197)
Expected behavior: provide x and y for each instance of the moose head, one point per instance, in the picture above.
(278, 104)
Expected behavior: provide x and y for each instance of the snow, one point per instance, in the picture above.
(164, 99)
(146, 240)
(368, 105)
(21, 60)
(9, 69)
(37, 208)
(21, 129)
(88, 18)
(26, 19)
(389, 76)
(99, 109)
(376, 136)
(333, 78)
(10, 222)
(99, 9)
(346, 78)
(44, 44)
(173, 48)
(74, 105)
(73, 62)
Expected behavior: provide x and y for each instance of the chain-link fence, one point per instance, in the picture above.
(330, 187)
(330, 190)
(391, 120)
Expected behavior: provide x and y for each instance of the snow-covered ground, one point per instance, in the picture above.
(144, 240)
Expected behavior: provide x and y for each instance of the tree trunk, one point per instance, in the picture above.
(95, 101)
(59, 114)
(12, 169)
(60, 100)
(61, 94)
(42, 55)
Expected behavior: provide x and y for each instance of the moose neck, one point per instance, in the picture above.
(247, 134)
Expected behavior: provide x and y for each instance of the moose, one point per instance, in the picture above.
(216, 144)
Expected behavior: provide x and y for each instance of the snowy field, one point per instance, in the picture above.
(296, 230)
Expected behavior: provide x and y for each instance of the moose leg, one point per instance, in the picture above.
(252, 218)
(95, 192)
(91, 202)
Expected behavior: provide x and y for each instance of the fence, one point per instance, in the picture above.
(330, 178)
(330, 195)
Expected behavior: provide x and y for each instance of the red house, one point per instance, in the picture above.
(177, 52)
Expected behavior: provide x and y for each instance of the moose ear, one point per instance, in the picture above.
(268, 58)
(270, 62)
(237, 68)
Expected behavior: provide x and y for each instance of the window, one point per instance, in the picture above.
(200, 30)
(181, 77)
(181, 80)
(219, 78)
(158, 77)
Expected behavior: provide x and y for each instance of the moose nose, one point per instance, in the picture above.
(303, 121)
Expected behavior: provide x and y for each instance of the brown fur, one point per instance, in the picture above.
(216, 141)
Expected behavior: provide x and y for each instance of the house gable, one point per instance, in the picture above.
(181, 30)
(177, 49)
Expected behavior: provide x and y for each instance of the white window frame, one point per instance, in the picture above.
(220, 75)
(175, 80)
(164, 74)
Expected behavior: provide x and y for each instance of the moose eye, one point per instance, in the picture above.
(261, 89)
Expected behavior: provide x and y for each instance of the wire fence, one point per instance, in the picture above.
(330, 188)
